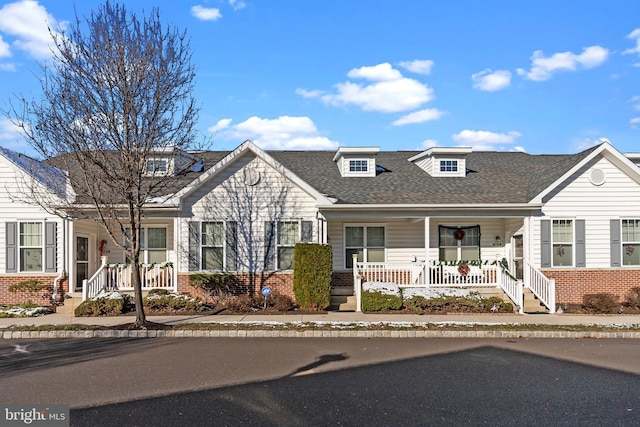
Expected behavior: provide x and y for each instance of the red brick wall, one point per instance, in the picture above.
(42, 297)
(280, 284)
(573, 284)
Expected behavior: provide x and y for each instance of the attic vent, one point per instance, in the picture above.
(597, 177)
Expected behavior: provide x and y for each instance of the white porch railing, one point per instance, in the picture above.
(513, 288)
(541, 286)
(118, 277)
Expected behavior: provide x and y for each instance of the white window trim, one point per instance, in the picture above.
(445, 172)
(459, 246)
(276, 229)
(365, 246)
(623, 243)
(224, 245)
(169, 166)
(20, 247)
(573, 243)
(143, 248)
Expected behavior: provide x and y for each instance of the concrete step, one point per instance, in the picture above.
(71, 303)
(532, 305)
(342, 290)
(343, 303)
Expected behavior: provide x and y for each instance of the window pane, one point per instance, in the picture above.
(448, 254)
(471, 237)
(31, 259)
(448, 166)
(212, 233)
(470, 253)
(631, 254)
(358, 165)
(285, 258)
(349, 256)
(212, 258)
(562, 255)
(31, 234)
(156, 257)
(375, 255)
(288, 233)
(375, 236)
(157, 238)
(354, 236)
(447, 237)
(563, 231)
(631, 230)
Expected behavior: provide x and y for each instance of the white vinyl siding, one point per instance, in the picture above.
(618, 197)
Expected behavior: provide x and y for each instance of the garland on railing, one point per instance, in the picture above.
(153, 264)
(463, 265)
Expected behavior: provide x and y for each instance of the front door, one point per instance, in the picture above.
(518, 256)
(82, 260)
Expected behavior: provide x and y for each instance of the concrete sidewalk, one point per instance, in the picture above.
(335, 317)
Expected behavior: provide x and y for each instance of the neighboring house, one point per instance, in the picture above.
(563, 225)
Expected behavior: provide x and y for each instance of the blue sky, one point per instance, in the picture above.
(536, 76)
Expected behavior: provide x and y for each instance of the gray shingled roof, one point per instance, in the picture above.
(493, 177)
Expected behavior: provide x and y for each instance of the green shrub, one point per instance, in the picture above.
(632, 299)
(173, 302)
(216, 286)
(378, 301)
(105, 306)
(29, 288)
(158, 291)
(245, 303)
(601, 303)
(457, 304)
(312, 275)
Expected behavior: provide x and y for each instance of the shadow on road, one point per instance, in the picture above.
(483, 385)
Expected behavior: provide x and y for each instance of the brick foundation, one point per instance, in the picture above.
(342, 278)
(573, 284)
(280, 284)
(42, 298)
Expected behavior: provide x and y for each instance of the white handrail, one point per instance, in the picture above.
(96, 283)
(357, 284)
(541, 286)
(513, 289)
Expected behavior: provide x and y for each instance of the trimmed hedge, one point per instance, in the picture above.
(313, 264)
(379, 301)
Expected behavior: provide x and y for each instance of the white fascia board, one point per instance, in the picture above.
(442, 151)
(607, 151)
(355, 150)
(421, 207)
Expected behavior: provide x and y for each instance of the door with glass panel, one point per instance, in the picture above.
(82, 260)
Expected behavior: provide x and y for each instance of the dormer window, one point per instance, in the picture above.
(448, 166)
(157, 166)
(359, 166)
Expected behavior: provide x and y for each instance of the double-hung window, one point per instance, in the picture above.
(288, 234)
(153, 244)
(368, 242)
(31, 244)
(459, 243)
(562, 243)
(213, 245)
(631, 242)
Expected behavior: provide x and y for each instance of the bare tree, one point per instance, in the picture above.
(252, 203)
(114, 99)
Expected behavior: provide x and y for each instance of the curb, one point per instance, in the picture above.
(258, 333)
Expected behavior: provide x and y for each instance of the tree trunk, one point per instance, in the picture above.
(141, 319)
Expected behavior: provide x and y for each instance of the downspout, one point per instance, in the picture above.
(63, 273)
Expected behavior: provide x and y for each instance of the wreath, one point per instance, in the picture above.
(463, 269)
(458, 234)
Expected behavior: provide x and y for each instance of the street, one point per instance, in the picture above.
(310, 381)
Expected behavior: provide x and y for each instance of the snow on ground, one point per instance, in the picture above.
(408, 293)
(25, 312)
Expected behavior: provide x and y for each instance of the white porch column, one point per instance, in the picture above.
(176, 252)
(71, 255)
(426, 251)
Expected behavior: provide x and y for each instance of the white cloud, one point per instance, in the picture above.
(388, 92)
(543, 68)
(206, 13)
(8, 67)
(237, 4)
(5, 51)
(282, 133)
(635, 100)
(635, 36)
(419, 117)
(419, 66)
(10, 135)
(29, 22)
(380, 72)
(585, 143)
(485, 140)
(222, 124)
(634, 122)
(491, 81)
(428, 143)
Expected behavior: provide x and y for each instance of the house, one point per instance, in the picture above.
(559, 226)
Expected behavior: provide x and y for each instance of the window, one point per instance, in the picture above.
(631, 242)
(448, 166)
(156, 165)
(153, 244)
(212, 245)
(368, 242)
(288, 234)
(562, 243)
(358, 165)
(459, 243)
(31, 246)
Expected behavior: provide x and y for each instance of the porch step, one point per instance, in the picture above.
(342, 299)
(71, 301)
(532, 305)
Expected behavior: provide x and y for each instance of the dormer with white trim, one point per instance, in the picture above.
(443, 161)
(356, 161)
(170, 162)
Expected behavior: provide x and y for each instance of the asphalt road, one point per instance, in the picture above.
(317, 382)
